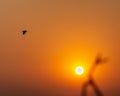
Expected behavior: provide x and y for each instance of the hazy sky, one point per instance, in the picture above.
(61, 35)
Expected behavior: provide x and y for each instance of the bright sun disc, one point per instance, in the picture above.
(79, 70)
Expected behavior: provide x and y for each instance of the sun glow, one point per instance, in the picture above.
(79, 70)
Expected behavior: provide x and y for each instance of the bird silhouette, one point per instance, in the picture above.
(24, 32)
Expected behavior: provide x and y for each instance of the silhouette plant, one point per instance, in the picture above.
(90, 82)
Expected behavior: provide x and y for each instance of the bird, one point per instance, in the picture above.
(24, 32)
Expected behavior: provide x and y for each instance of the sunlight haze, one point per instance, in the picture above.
(62, 34)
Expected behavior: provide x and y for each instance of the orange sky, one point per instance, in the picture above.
(61, 35)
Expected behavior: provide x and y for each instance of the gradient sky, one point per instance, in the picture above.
(61, 35)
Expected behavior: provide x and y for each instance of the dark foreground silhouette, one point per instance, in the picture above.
(24, 32)
(99, 60)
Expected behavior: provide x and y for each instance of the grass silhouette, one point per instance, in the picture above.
(90, 82)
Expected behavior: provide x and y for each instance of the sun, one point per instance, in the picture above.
(79, 70)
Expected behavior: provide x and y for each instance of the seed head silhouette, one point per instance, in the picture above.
(90, 82)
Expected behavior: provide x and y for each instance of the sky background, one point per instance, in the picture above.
(62, 34)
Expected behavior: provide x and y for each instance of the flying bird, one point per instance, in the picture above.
(24, 32)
